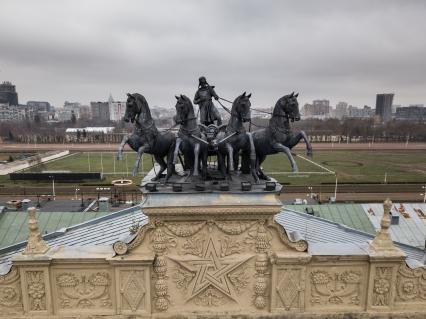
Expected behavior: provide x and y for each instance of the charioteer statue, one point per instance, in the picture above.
(230, 144)
(203, 98)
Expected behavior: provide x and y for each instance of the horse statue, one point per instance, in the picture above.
(146, 138)
(277, 137)
(189, 140)
(235, 139)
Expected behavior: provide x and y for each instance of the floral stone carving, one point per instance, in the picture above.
(10, 291)
(336, 287)
(36, 290)
(84, 291)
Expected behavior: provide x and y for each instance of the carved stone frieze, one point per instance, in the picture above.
(84, 290)
(411, 285)
(133, 289)
(211, 275)
(289, 288)
(10, 292)
(36, 289)
(336, 286)
(382, 286)
(210, 297)
(261, 282)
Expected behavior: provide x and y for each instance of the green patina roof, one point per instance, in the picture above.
(351, 215)
(14, 225)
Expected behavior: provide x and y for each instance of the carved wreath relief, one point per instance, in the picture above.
(411, 285)
(336, 286)
(10, 291)
(86, 290)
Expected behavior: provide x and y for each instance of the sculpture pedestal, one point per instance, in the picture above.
(214, 251)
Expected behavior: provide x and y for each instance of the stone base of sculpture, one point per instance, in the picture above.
(213, 254)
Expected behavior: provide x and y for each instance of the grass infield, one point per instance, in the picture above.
(400, 166)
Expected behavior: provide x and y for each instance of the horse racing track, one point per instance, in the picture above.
(350, 166)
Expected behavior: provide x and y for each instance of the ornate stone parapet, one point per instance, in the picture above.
(187, 263)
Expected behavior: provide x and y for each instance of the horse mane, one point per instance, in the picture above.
(140, 99)
(189, 103)
(276, 121)
(235, 103)
(277, 108)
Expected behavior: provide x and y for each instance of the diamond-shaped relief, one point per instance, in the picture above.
(288, 288)
(134, 289)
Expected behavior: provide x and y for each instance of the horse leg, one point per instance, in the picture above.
(260, 173)
(196, 158)
(230, 151)
(221, 164)
(121, 147)
(253, 158)
(294, 140)
(141, 150)
(160, 160)
(176, 151)
(281, 148)
(204, 157)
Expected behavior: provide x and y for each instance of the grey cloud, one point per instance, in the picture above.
(83, 50)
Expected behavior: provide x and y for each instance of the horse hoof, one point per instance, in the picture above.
(310, 154)
(154, 179)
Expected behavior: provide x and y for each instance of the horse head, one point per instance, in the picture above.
(132, 108)
(241, 107)
(137, 108)
(184, 109)
(289, 106)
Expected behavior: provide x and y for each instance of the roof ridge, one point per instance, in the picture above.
(65, 230)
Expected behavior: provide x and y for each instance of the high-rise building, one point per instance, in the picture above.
(100, 110)
(8, 94)
(384, 106)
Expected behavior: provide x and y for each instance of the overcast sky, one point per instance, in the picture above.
(339, 50)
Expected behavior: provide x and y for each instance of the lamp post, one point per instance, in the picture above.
(75, 194)
(53, 186)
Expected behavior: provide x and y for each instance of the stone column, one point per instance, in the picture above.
(385, 260)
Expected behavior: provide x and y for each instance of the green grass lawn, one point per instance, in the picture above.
(350, 166)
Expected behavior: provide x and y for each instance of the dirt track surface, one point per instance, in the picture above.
(113, 147)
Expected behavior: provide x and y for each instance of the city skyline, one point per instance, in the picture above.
(329, 49)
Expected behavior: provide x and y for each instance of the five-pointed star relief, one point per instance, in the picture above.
(211, 270)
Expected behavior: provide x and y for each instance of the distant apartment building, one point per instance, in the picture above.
(356, 112)
(116, 109)
(341, 110)
(42, 109)
(12, 112)
(72, 107)
(100, 110)
(384, 106)
(8, 94)
(412, 112)
(318, 109)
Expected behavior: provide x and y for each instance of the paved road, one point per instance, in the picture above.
(112, 147)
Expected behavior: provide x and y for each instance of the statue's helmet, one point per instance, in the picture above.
(202, 81)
